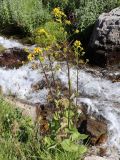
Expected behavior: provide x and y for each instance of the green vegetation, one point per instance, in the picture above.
(30, 14)
(16, 133)
(21, 140)
(25, 14)
(1, 48)
(86, 11)
(56, 27)
(50, 33)
(89, 10)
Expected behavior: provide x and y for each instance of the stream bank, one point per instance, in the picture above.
(99, 90)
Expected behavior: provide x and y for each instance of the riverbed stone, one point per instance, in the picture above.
(39, 85)
(94, 128)
(105, 40)
(13, 58)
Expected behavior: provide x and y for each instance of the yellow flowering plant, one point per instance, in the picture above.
(67, 22)
(58, 14)
(62, 121)
(78, 51)
(77, 31)
(43, 38)
(31, 56)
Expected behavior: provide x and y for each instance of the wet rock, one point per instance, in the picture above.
(39, 85)
(13, 58)
(105, 40)
(44, 114)
(96, 129)
(102, 151)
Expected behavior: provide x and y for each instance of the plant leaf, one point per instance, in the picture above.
(82, 149)
(69, 146)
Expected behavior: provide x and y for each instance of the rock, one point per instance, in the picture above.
(102, 151)
(39, 85)
(95, 158)
(105, 40)
(13, 58)
(96, 129)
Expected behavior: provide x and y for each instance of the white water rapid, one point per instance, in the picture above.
(100, 95)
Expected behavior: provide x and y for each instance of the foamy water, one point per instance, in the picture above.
(100, 95)
(11, 43)
(18, 82)
(102, 98)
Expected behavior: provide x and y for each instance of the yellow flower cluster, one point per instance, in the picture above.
(31, 56)
(77, 31)
(42, 31)
(37, 51)
(47, 48)
(77, 44)
(67, 22)
(58, 14)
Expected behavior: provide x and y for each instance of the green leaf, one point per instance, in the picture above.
(77, 136)
(48, 141)
(69, 113)
(83, 136)
(69, 146)
(82, 149)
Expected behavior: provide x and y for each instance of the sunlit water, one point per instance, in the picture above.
(11, 43)
(101, 96)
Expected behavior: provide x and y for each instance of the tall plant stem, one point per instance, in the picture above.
(69, 87)
(51, 67)
(77, 81)
(48, 84)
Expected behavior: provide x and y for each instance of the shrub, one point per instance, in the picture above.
(26, 14)
(89, 10)
(55, 29)
(20, 139)
(50, 33)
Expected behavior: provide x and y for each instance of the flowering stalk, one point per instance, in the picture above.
(69, 82)
(53, 77)
(39, 54)
(78, 49)
(69, 86)
(47, 81)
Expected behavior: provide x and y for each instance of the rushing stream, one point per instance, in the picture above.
(100, 94)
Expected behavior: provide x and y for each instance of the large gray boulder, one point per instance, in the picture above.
(105, 39)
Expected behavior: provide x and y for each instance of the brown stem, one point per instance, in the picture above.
(47, 80)
(53, 77)
(69, 87)
(77, 81)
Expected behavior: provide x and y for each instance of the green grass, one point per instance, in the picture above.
(25, 14)
(20, 140)
(16, 133)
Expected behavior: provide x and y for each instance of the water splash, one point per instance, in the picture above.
(102, 98)
(11, 43)
(18, 82)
